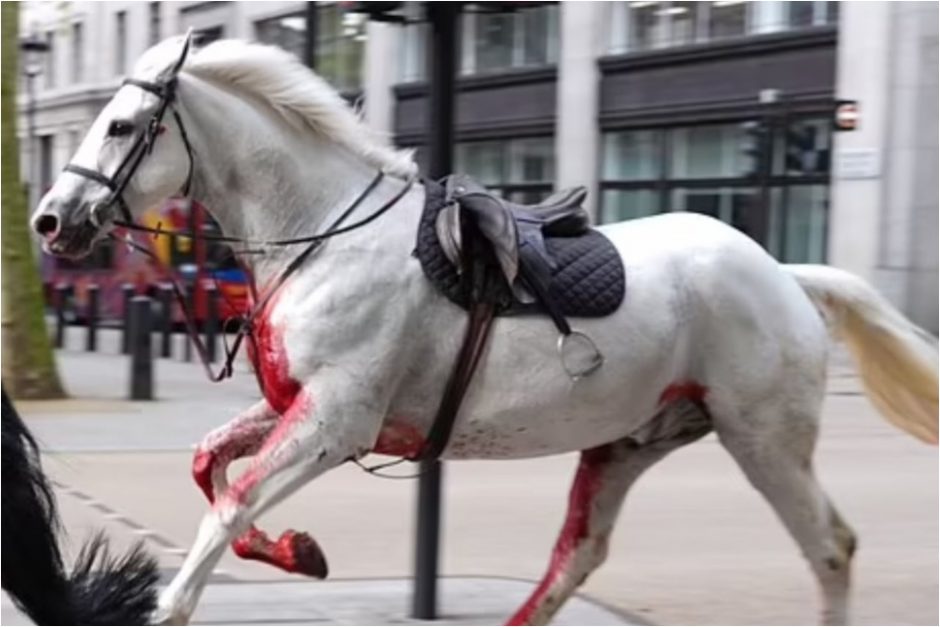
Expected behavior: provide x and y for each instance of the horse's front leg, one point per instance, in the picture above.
(322, 428)
(293, 551)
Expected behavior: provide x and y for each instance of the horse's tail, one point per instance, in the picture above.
(100, 590)
(896, 359)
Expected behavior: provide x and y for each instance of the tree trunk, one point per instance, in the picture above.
(28, 364)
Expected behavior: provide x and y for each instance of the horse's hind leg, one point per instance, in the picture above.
(604, 475)
(774, 449)
(243, 436)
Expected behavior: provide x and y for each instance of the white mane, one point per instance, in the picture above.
(300, 96)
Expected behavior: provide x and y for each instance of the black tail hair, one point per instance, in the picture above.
(101, 589)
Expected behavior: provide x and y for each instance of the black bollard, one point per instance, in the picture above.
(61, 301)
(127, 293)
(141, 353)
(91, 319)
(212, 320)
(166, 320)
(190, 297)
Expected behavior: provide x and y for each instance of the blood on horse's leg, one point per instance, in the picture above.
(293, 454)
(240, 437)
(604, 475)
(294, 552)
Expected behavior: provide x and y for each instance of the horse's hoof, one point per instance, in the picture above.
(304, 555)
(164, 615)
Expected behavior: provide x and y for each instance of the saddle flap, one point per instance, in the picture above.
(449, 234)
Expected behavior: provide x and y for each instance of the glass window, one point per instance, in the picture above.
(623, 204)
(78, 52)
(800, 14)
(632, 155)
(499, 40)
(531, 160)
(287, 31)
(799, 234)
(727, 18)
(414, 39)
(49, 60)
(538, 30)
(739, 207)
(154, 10)
(682, 22)
(493, 41)
(645, 26)
(340, 46)
(46, 146)
(120, 42)
(481, 160)
(520, 169)
(707, 152)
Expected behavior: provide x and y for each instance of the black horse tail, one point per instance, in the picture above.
(100, 590)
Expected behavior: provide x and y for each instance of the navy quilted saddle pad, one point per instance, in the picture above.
(586, 271)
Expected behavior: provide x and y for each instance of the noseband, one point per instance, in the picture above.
(143, 145)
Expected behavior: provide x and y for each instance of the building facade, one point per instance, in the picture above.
(651, 105)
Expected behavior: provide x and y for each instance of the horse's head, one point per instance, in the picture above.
(134, 155)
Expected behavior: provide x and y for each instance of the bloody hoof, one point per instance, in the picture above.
(294, 552)
(305, 555)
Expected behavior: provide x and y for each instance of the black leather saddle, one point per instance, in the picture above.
(492, 257)
(525, 259)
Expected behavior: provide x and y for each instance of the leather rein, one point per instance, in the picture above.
(117, 183)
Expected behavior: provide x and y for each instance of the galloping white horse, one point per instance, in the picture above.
(355, 348)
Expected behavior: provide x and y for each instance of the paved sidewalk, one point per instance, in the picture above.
(463, 601)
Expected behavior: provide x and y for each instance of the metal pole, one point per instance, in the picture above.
(310, 43)
(141, 352)
(127, 293)
(212, 321)
(442, 71)
(61, 297)
(191, 302)
(91, 319)
(166, 320)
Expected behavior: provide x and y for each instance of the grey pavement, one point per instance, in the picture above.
(696, 545)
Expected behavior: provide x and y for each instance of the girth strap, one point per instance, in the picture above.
(478, 330)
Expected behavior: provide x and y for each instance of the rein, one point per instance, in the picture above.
(117, 183)
(245, 329)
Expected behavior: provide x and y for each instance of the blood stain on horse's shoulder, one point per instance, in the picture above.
(268, 356)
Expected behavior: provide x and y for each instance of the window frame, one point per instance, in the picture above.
(779, 183)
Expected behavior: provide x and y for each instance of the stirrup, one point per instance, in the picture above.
(590, 364)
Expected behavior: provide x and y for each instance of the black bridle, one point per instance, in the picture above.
(143, 145)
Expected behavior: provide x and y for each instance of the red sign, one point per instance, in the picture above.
(846, 115)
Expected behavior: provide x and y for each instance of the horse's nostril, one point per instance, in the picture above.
(47, 225)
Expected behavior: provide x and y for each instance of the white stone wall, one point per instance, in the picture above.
(885, 227)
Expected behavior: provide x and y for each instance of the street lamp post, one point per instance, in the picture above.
(33, 49)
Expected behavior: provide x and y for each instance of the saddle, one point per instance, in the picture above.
(494, 257)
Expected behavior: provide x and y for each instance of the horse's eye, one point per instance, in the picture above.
(119, 128)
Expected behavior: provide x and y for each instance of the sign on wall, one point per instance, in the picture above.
(857, 163)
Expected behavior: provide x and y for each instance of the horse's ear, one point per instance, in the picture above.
(187, 44)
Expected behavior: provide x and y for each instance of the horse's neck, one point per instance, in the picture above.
(261, 178)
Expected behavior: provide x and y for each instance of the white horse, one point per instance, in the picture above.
(355, 348)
